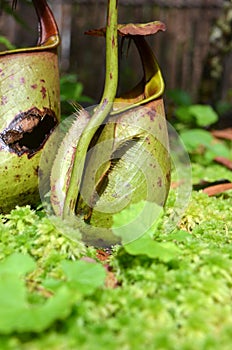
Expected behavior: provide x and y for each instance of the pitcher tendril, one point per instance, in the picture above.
(101, 112)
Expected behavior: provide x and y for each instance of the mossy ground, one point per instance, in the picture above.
(185, 303)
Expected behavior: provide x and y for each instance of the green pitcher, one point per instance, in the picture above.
(127, 159)
(29, 111)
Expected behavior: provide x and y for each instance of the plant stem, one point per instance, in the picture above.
(101, 112)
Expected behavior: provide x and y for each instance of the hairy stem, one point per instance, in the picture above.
(101, 112)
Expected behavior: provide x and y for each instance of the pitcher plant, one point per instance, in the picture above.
(117, 153)
(29, 111)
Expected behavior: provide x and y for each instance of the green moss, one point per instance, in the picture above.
(183, 303)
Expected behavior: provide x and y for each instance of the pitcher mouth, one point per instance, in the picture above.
(48, 32)
(29, 130)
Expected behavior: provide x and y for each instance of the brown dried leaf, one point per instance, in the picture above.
(141, 28)
(224, 161)
(102, 255)
(217, 189)
(223, 134)
(132, 29)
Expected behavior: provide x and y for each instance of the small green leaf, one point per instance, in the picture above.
(220, 149)
(196, 137)
(37, 318)
(17, 264)
(223, 107)
(183, 114)
(155, 250)
(179, 236)
(84, 276)
(205, 115)
(201, 115)
(179, 97)
(17, 314)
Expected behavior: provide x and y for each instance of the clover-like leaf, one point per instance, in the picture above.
(17, 313)
(83, 275)
(164, 251)
(17, 264)
(195, 137)
(205, 115)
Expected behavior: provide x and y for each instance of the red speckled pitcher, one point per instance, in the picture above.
(29, 111)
